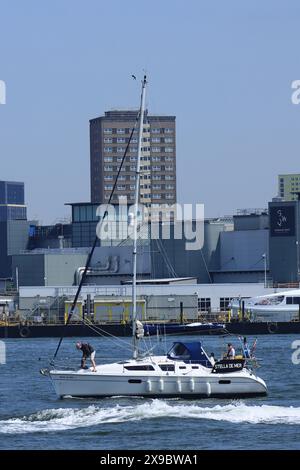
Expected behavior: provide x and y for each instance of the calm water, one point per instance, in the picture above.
(31, 417)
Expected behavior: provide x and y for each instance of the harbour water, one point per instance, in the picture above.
(32, 417)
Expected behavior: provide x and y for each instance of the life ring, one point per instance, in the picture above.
(24, 332)
(272, 328)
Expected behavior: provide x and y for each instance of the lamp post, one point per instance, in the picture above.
(264, 256)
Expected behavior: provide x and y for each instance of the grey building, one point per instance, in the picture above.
(48, 267)
(13, 239)
(243, 253)
(284, 241)
(12, 205)
(109, 136)
(14, 227)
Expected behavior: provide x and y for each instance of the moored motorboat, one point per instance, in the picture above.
(184, 328)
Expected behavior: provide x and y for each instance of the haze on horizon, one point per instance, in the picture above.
(224, 69)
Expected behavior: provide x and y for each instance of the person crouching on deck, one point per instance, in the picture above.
(87, 352)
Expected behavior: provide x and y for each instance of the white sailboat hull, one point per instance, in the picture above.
(204, 384)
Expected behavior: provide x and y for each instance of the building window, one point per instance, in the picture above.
(168, 130)
(169, 149)
(156, 168)
(155, 130)
(156, 159)
(157, 186)
(108, 159)
(108, 178)
(169, 140)
(132, 168)
(169, 196)
(132, 159)
(169, 168)
(108, 168)
(169, 186)
(224, 303)
(107, 149)
(132, 178)
(156, 149)
(108, 187)
(121, 140)
(107, 140)
(120, 131)
(121, 187)
(107, 130)
(169, 177)
(156, 196)
(133, 149)
(204, 304)
(155, 140)
(120, 149)
(132, 187)
(156, 177)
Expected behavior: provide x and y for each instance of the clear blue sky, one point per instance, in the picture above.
(223, 68)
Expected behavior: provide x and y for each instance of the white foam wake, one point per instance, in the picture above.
(62, 419)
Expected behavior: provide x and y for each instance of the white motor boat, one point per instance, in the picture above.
(185, 372)
(277, 307)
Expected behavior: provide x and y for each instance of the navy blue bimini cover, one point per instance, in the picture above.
(189, 352)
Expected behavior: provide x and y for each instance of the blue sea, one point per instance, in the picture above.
(32, 417)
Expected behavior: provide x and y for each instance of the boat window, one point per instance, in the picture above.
(195, 367)
(270, 300)
(134, 381)
(179, 351)
(141, 367)
(293, 300)
(182, 367)
(168, 367)
(224, 382)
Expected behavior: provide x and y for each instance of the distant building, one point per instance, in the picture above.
(109, 136)
(284, 241)
(288, 186)
(12, 205)
(14, 227)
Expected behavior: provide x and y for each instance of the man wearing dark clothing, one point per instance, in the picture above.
(87, 352)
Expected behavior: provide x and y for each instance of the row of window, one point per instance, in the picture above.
(155, 187)
(134, 149)
(143, 168)
(131, 196)
(126, 130)
(204, 304)
(134, 140)
(134, 159)
(144, 177)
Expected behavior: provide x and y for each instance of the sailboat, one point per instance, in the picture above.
(185, 371)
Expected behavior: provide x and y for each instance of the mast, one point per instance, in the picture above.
(135, 217)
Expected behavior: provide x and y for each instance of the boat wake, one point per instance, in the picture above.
(62, 419)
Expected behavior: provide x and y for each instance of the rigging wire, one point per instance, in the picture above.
(83, 277)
